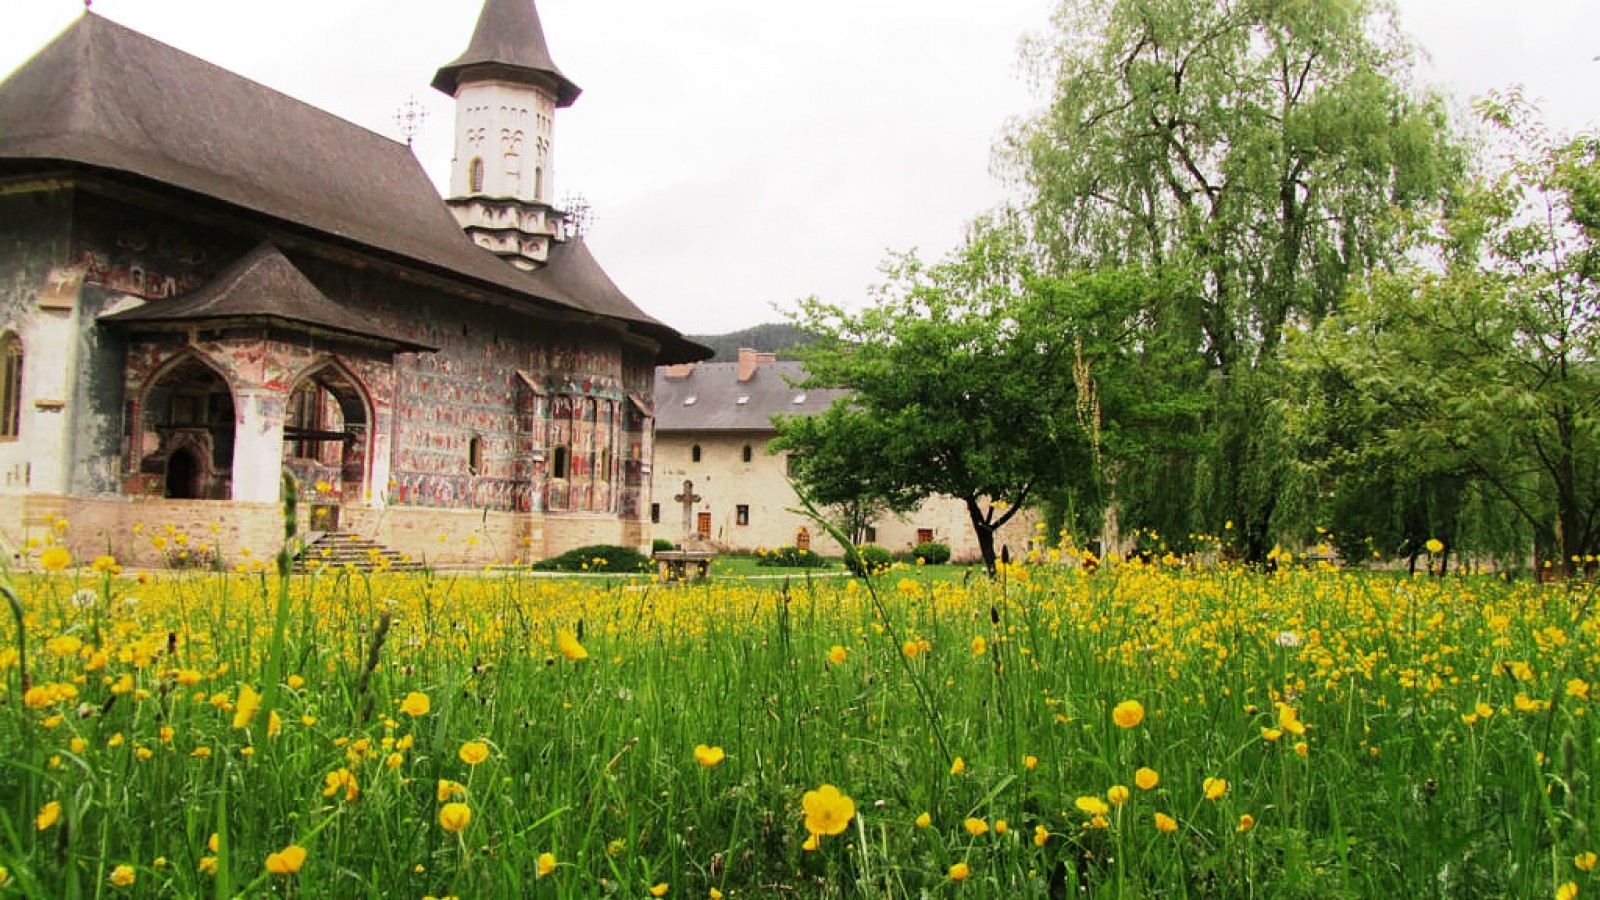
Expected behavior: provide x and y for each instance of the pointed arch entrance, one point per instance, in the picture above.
(327, 431)
(185, 432)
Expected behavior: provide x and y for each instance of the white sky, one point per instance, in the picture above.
(741, 153)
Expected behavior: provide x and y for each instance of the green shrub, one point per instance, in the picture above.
(933, 553)
(662, 545)
(791, 558)
(598, 558)
(868, 559)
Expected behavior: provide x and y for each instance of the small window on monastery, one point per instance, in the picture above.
(748, 453)
(655, 513)
(869, 535)
(10, 387)
(558, 464)
(742, 514)
(694, 453)
(475, 175)
(475, 455)
(538, 183)
(924, 535)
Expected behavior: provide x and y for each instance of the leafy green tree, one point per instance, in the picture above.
(1481, 361)
(834, 459)
(957, 377)
(1254, 151)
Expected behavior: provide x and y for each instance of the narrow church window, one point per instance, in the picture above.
(558, 467)
(475, 455)
(742, 514)
(655, 513)
(475, 175)
(10, 387)
(694, 453)
(747, 453)
(538, 183)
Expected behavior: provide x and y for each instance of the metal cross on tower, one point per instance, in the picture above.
(409, 118)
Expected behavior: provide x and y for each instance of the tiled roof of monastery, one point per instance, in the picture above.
(712, 398)
(508, 43)
(110, 99)
(241, 292)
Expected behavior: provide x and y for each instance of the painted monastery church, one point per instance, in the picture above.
(205, 284)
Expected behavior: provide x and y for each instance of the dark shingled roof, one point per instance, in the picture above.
(716, 389)
(508, 44)
(262, 286)
(106, 97)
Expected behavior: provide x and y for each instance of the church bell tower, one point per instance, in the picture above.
(507, 90)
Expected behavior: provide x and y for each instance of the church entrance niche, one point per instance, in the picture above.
(325, 429)
(186, 436)
(183, 475)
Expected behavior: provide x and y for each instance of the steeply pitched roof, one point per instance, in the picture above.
(508, 43)
(106, 97)
(261, 286)
(708, 398)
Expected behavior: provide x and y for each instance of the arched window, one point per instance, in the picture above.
(694, 453)
(475, 455)
(10, 387)
(538, 183)
(475, 175)
(747, 453)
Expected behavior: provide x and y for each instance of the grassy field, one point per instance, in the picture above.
(1149, 731)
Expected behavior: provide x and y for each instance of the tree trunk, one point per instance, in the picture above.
(984, 532)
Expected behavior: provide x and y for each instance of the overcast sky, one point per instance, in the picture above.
(745, 153)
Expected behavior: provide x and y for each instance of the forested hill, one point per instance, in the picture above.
(770, 337)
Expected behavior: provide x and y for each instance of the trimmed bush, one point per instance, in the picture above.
(868, 559)
(933, 553)
(662, 545)
(791, 558)
(597, 558)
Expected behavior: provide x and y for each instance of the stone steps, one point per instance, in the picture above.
(337, 549)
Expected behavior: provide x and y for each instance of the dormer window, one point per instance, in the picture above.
(690, 400)
(744, 400)
(799, 399)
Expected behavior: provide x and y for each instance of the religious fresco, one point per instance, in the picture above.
(144, 255)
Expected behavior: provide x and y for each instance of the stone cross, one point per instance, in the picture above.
(688, 498)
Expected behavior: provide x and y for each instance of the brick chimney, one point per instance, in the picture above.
(750, 360)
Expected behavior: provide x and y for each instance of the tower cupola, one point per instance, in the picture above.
(507, 89)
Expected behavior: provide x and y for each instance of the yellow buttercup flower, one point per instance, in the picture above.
(660, 890)
(54, 559)
(244, 709)
(1434, 545)
(49, 814)
(1029, 762)
(123, 876)
(1041, 835)
(1146, 778)
(286, 861)
(975, 827)
(708, 756)
(827, 811)
(1214, 787)
(547, 864)
(1118, 794)
(341, 781)
(980, 646)
(959, 766)
(1166, 823)
(416, 704)
(960, 871)
(1091, 806)
(837, 654)
(449, 789)
(924, 820)
(1128, 713)
(1246, 822)
(568, 644)
(454, 817)
(1585, 861)
(474, 752)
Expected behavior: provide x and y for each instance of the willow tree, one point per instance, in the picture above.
(1256, 150)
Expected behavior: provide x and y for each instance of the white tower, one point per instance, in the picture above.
(507, 90)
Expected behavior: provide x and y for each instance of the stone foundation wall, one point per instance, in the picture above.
(160, 533)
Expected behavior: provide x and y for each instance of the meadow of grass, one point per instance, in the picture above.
(1144, 731)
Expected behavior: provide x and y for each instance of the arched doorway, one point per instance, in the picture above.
(184, 475)
(326, 426)
(185, 433)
